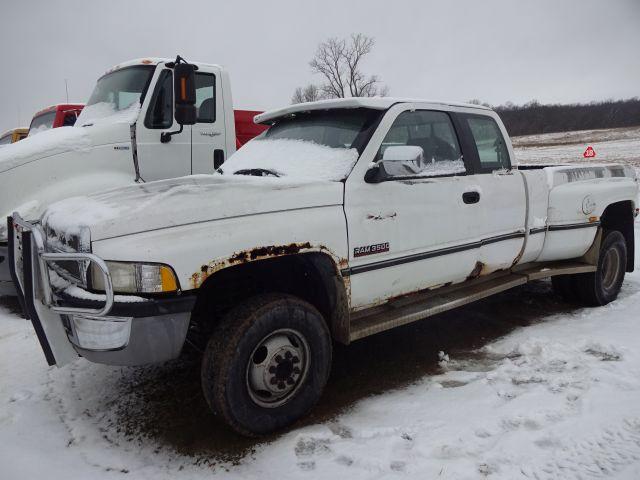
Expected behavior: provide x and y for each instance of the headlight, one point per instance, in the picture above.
(136, 278)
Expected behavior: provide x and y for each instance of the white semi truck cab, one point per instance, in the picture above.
(128, 132)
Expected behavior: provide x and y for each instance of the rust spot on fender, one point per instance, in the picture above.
(245, 256)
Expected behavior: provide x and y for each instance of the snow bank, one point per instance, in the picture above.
(293, 158)
(105, 113)
(47, 143)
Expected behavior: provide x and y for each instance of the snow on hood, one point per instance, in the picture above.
(105, 113)
(180, 201)
(293, 159)
(65, 139)
(47, 143)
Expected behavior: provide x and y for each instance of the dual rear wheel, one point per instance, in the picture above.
(602, 286)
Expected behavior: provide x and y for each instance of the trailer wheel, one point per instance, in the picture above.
(266, 364)
(603, 285)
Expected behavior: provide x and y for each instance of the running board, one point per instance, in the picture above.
(410, 308)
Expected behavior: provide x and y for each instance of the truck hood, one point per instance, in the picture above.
(181, 201)
(111, 130)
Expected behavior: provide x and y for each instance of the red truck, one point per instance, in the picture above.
(61, 115)
(246, 128)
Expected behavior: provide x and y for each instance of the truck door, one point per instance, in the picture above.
(418, 227)
(209, 131)
(159, 160)
(502, 193)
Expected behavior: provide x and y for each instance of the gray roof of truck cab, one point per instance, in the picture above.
(377, 103)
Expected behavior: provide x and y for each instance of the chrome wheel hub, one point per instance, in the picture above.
(610, 268)
(277, 367)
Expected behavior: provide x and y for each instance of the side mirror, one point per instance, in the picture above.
(397, 161)
(184, 87)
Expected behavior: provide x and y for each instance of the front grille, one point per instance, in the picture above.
(71, 270)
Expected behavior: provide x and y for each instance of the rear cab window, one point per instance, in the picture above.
(489, 142)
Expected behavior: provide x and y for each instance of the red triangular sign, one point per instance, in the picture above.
(589, 152)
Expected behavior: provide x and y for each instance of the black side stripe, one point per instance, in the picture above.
(572, 226)
(416, 257)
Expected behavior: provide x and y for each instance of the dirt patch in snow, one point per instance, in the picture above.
(164, 403)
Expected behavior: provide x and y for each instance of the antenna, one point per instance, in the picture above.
(66, 89)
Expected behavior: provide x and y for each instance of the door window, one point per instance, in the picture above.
(206, 97)
(492, 150)
(160, 114)
(421, 143)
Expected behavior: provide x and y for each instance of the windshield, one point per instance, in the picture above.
(322, 145)
(123, 87)
(6, 140)
(42, 122)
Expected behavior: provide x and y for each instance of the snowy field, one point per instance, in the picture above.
(520, 385)
(611, 145)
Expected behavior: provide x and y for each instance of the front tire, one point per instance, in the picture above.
(267, 363)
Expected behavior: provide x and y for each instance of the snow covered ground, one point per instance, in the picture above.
(610, 145)
(526, 387)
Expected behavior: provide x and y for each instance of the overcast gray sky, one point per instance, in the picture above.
(494, 50)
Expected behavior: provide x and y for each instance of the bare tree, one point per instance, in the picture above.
(310, 93)
(338, 61)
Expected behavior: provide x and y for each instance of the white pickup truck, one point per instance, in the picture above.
(345, 219)
(121, 137)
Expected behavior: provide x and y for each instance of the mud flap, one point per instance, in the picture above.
(48, 324)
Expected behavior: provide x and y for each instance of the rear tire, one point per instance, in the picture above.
(267, 363)
(602, 286)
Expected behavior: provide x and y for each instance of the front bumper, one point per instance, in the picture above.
(111, 330)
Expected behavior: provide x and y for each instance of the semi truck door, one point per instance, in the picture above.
(209, 131)
(159, 160)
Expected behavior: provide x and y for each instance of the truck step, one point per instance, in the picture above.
(414, 307)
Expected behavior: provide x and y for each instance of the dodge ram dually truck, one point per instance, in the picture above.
(344, 219)
(127, 133)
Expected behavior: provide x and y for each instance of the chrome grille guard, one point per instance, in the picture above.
(45, 258)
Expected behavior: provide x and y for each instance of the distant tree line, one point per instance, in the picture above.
(534, 117)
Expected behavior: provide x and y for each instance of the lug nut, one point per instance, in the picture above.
(296, 370)
(272, 369)
(295, 360)
(278, 358)
(290, 381)
(287, 355)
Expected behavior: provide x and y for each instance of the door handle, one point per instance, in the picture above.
(218, 158)
(471, 197)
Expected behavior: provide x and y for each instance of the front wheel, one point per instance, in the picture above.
(267, 363)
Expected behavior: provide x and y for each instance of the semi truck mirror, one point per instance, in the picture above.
(184, 86)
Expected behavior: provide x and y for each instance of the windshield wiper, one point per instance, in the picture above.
(257, 172)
